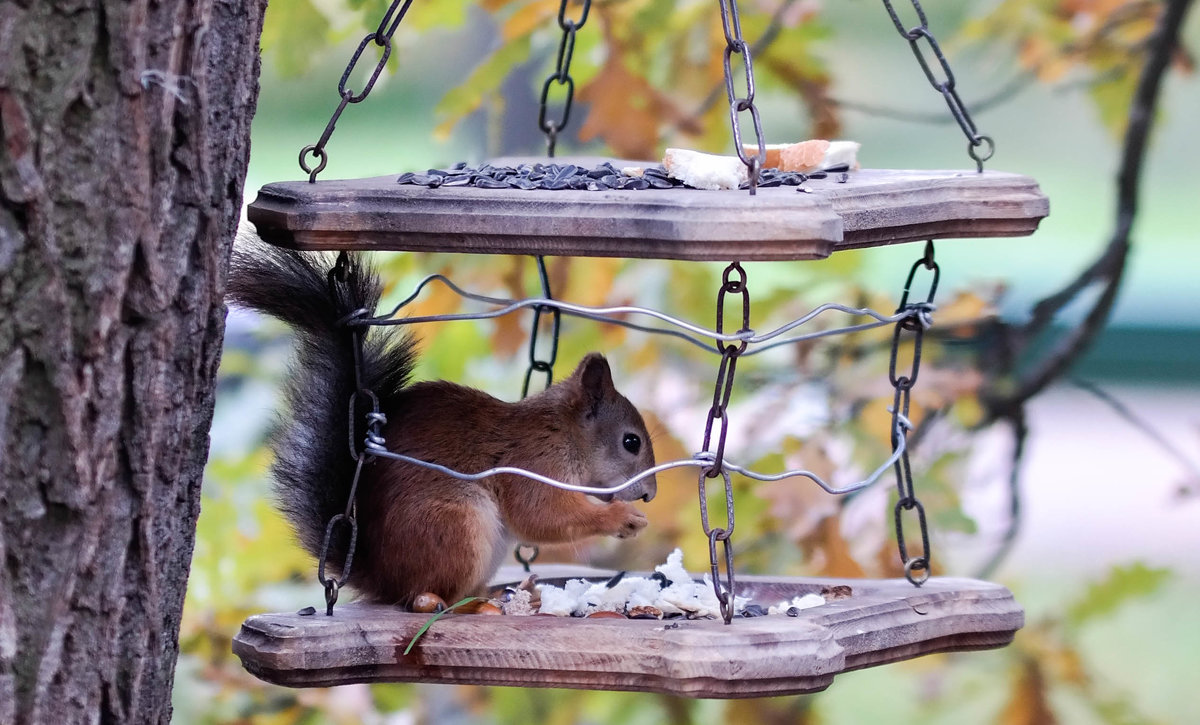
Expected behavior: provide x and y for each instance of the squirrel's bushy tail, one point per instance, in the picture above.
(313, 466)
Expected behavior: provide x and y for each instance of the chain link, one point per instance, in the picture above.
(733, 281)
(382, 37)
(734, 44)
(916, 568)
(365, 400)
(544, 366)
(561, 75)
(981, 147)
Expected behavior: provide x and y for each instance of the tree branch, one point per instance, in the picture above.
(1110, 266)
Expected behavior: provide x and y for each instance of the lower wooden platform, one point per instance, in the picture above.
(882, 621)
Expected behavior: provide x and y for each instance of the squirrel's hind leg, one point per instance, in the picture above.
(448, 544)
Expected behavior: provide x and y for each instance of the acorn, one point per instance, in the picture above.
(428, 603)
(606, 614)
(488, 608)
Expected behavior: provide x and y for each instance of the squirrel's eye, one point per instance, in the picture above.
(632, 443)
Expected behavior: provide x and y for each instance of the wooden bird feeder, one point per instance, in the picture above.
(881, 621)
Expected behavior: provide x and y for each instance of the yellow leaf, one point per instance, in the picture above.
(592, 280)
(437, 299)
(483, 82)
(877, 421)
(524, 21)
(507, 335)
(968, 411)
(963, 309)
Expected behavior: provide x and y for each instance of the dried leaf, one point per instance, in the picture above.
(800, 506)
(625, 110)
(834, 550)
(1029, 703)
(673, 510)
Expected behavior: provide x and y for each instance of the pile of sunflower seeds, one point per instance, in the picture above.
(556, 177)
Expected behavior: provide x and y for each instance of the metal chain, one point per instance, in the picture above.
(382, 37)
(945, 86)
(543, 366)
(734, 43)
(561, 75)
(360, 452)
(719, 411)
(916, 568)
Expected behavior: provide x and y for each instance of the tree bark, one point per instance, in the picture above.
(124, 137)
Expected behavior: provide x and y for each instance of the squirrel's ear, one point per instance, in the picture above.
(595, 380)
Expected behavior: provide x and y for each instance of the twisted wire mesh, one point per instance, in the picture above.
(681, 329)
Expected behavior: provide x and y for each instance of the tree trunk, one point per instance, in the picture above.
(124, 137)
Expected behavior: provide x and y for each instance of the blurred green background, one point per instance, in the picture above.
(1105, 557)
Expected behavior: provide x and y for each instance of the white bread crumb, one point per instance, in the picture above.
(705, 171)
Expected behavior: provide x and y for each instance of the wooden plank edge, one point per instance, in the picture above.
(268, 658)
(951, 229)
(968, 642)
(698, 687)
(644, 248)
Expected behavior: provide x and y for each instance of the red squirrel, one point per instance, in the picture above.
(421, 530)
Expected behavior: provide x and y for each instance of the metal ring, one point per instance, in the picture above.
(331, 596)
(523, 560)
(981, 141)
(319, 153)
(736, 285)
(917, 563)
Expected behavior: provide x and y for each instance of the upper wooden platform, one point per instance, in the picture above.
(882, 621)
(873, 207)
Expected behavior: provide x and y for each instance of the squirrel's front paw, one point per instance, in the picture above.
(633, 522)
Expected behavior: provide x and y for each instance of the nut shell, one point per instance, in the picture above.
(606, 614)
(645, 612)
(428, 603)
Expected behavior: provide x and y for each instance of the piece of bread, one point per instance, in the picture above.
(809, 156)
(705, 171)
(772, 150)
(803, 156)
